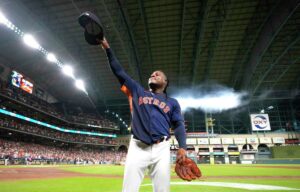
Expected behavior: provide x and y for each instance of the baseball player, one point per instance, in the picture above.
(153, 113)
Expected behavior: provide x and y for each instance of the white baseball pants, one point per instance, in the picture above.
(155, 157)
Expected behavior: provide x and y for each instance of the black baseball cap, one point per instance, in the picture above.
(93, 28)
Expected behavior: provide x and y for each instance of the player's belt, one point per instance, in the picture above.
(162, 139)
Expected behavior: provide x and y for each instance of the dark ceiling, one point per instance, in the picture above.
(248, 45)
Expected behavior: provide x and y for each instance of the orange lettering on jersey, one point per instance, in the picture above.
(145, 100)
(166, 109)
(162, 105)
(150, 99)
(156, 102)
(140, 100)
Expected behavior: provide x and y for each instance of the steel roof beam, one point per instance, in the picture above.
(249, 43)
(146, 29)
(276, 21)
(286, 70)
(286, 96)
(183, 6)
(293, 42)
(75, 43)
(114, 26)
(202, 14)
(132, 40)
(221, 9)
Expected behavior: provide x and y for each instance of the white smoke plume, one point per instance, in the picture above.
(212, 98)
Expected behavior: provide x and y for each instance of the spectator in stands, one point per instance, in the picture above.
(30, 151)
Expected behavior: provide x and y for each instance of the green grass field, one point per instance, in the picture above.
(246, 174)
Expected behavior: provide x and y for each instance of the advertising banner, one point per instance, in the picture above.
(278, 140)
(215, 141)
(252, 140)
(265, 140)
(233, 153)
(203, 141)
(260, 122)
(227, 141)
(239, 140)
(191, 141)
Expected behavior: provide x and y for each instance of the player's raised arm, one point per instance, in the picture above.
(94, 35)
(114, 64)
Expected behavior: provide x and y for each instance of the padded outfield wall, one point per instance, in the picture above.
(283, 155)
(292, 151)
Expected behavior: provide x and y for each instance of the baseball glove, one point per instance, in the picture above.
(185, 167)
(93, 29)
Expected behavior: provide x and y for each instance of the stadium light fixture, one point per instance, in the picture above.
(51, 57)
(10, 25)
(3, 19)
(30, 41)
(80, 85)
(68, 70)
(6, 22)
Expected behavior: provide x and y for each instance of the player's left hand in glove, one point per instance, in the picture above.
(185, 167)
(93, 30)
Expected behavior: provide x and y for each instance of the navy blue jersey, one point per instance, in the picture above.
(153, 114)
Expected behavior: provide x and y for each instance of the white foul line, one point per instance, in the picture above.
(233, 185)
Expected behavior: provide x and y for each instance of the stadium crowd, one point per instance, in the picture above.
(77, 116)
(30, 152)
(46, 132)
(34, 106)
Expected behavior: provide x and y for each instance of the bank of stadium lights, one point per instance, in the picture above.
(51, 57)
(268, 108)
(8, 24)
(68, 71)
(117, 116)
(30, 41)
(79, 84)
(2, 18)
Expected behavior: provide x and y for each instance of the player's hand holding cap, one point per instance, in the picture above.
(93, 32)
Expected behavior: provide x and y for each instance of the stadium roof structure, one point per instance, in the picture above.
(248, 45)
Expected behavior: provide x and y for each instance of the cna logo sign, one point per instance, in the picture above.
(260, 122)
